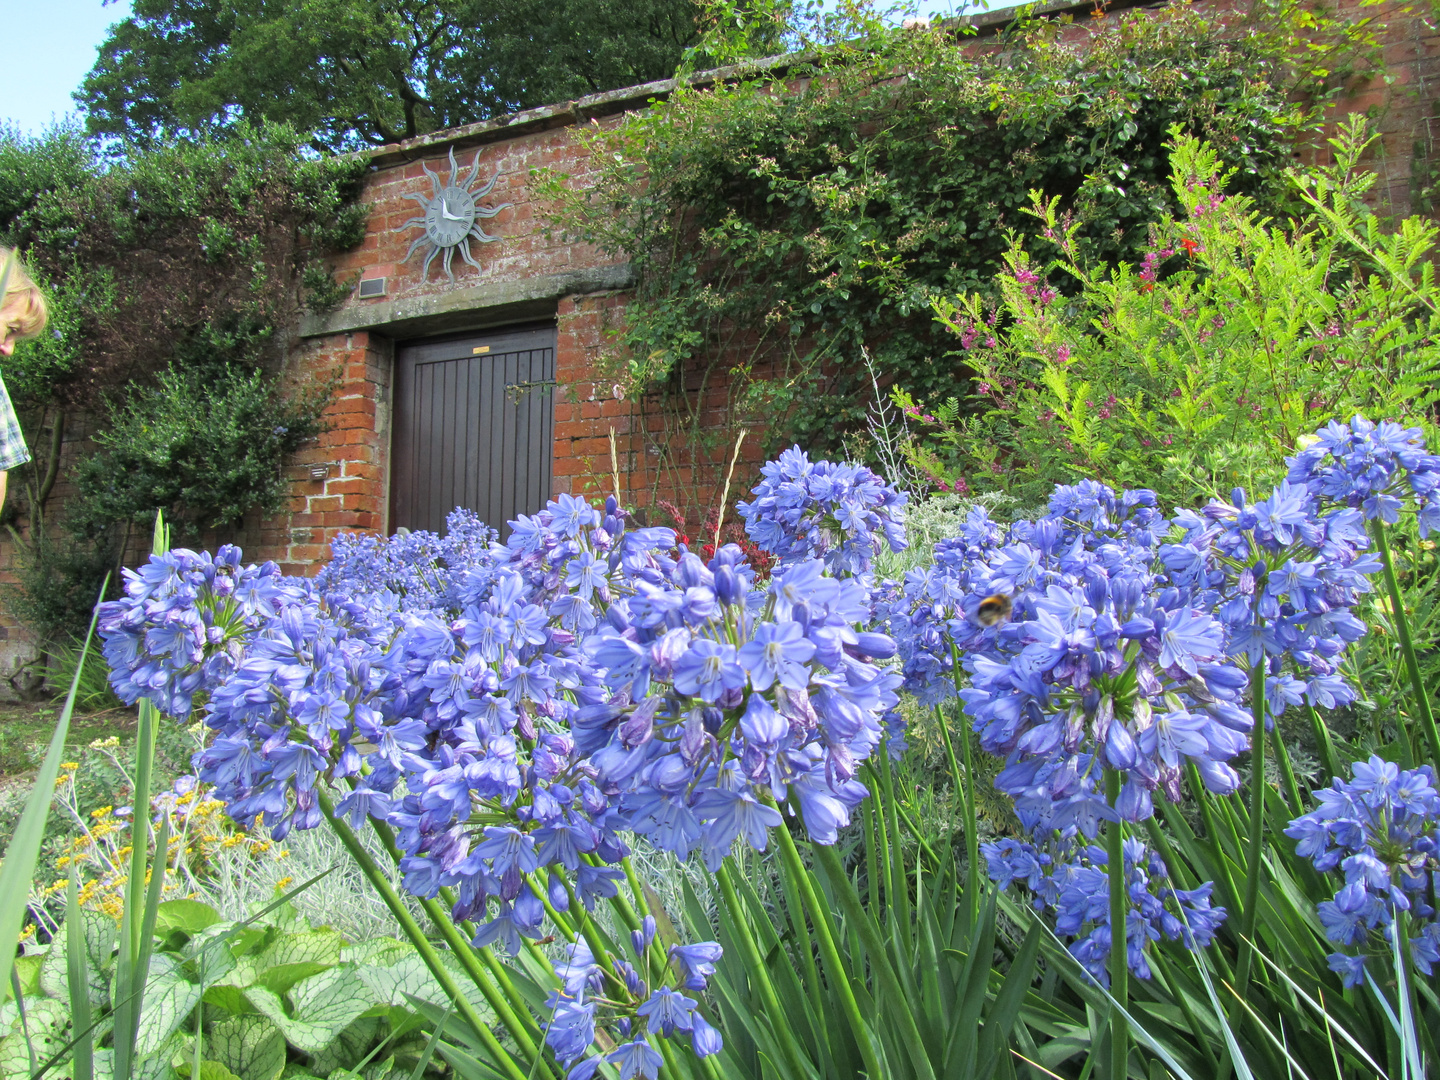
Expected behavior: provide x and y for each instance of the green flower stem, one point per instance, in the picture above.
(1254, 865)
(759, 975)
(910, 823)
(872, 847)
(796, 913)
(1119, 920)
(381, 884)
(890, 987)
(1229, 893)
(642, 906)
(1287, 771)
(479, 964)
(1186, 875)
(1323, 741)
(882, 826)
(972, 824)
(824, 933)
(899, 883)
(1407, 648)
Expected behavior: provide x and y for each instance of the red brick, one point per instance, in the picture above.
(324, 504)
(349, 519)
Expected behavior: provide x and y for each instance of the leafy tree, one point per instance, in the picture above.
(357, 72)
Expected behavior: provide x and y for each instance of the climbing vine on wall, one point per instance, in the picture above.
(779, 220)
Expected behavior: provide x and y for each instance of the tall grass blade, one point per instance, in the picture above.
(1138, 1030)
(17, 872)
(77, 983)
(1409, 1038)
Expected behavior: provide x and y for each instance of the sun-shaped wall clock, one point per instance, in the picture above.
(452, 216)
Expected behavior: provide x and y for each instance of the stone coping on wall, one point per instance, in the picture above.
(597, 106)
(472, 308)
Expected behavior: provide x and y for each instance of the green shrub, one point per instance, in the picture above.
(205, 445)
(1198, 369)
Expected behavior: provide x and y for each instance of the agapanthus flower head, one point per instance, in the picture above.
(1101, 660)
(1378, 831)
(517, 714)
(838, 511)
(413, 570)
(1071, 881)
(1371, 467)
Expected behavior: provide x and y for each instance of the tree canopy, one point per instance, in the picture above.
(368, 72)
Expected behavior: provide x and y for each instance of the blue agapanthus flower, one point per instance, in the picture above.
(513, 711)
(1371, 467)
(1071, 881)
(632, 1011)
(1103, 661)
(839, 512)
(1379, 831)
(413, 571)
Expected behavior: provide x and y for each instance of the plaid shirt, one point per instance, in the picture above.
(13, 450)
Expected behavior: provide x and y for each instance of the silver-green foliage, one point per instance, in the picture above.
(263, 995)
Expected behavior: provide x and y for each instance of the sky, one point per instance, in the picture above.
(49, 46)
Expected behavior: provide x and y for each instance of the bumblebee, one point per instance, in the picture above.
(994, 609)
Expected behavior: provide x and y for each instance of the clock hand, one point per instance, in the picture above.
(445, 212)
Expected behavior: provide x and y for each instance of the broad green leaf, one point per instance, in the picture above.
(347, 1048)
(169, 998)
(282, 977)
(381, 951)
(312, 946)
(27, 971)
(230, 998)
(251, 1047)
(324, 1005)
(45, 1023)
(188, 916)
(100, 936)
(409, 976)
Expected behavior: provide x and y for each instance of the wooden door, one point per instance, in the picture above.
(474, 427)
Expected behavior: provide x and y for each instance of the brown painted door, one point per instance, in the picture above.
(474, 427)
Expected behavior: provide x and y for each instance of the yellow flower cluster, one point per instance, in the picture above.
(100, 853)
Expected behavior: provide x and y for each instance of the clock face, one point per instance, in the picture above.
(449, 217)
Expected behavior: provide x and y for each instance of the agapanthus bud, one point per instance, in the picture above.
(640, 939)
(728, 586)
(555, 890)
(876, 646)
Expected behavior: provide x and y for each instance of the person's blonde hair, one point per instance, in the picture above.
(21, 293)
